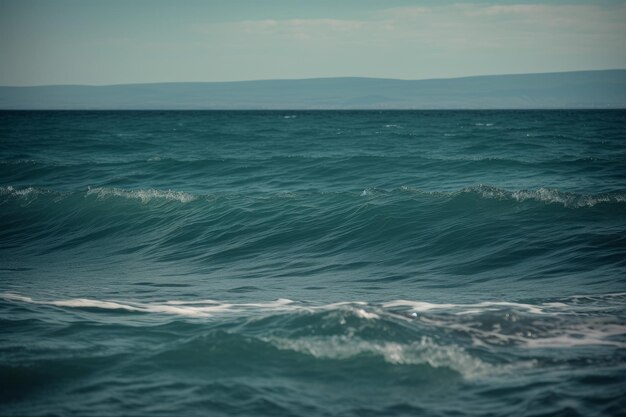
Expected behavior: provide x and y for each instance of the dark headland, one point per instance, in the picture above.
(580, 89)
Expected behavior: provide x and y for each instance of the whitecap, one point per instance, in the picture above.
(19, 192)
(548, 195)
(144, 195)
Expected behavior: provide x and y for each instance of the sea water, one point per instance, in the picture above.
(444, 263)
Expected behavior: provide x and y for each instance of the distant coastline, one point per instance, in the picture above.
(602, 89)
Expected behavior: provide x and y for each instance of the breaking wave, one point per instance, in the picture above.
(543, 195)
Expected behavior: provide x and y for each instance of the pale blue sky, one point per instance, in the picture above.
(136, 41)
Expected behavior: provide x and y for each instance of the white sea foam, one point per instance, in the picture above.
(421, 306)
(580, 335)
(203, 308)
(143, 195)
(544, 195)
(199, 308)
(111, 305)
(549, 195)
(546, 325)
(364, 314)
(361, 308)
(19, 192)
(425, 351)
(566, 334)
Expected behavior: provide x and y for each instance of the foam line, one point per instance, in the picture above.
(554, 324)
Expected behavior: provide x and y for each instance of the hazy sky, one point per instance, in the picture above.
(132, 41)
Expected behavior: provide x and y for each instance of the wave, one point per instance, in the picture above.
(373, 235)
(570, 322)
(544, 195)
(425, 351)
(550, 196)
(202, 308)
(144, 196)
(488, 192)
(21, 192)
(323, 168)
(476, 341)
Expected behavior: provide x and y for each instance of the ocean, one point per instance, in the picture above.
(313, 263)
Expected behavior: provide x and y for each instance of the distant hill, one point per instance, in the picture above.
(582, 89)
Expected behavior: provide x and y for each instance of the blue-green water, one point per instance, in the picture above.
(313, 263)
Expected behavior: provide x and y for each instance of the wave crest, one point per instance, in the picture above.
(20, 192)
(143, 195)
(547, 195)
(570, 322)
(422, 352)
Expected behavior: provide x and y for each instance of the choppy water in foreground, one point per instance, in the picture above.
(313, 263)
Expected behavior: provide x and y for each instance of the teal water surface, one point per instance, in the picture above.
(444, 263)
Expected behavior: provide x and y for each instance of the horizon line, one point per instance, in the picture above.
(312, 78)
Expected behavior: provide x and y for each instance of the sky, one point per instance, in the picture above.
(102, 42)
